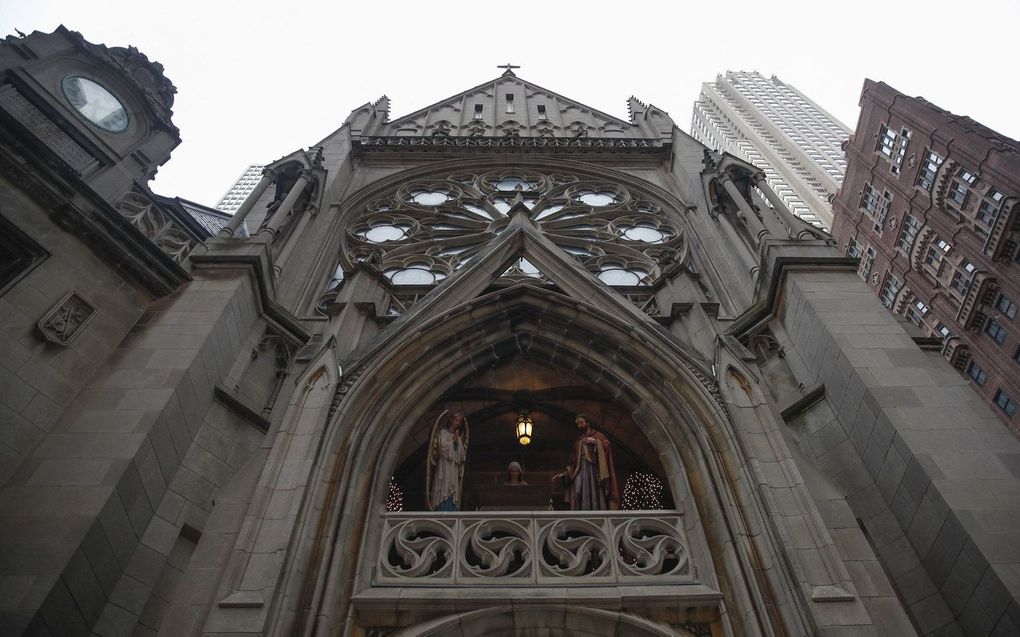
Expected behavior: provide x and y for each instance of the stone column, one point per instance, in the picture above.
(292, 240)
(751, 220)
(268, 177)
(281, 213)
(746, 256)
(775, 222)
(782, 210)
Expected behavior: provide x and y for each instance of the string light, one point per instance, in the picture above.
(642, 491)
(394, 498)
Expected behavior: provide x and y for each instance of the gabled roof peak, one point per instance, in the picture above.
(509, 104)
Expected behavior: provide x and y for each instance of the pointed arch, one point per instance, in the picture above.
(644, 371)
(507, 621)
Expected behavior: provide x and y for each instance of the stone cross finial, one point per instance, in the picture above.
(509, 68)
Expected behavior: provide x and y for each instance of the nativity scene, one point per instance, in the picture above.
(575, 462)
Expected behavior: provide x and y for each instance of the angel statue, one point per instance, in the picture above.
(444, 471)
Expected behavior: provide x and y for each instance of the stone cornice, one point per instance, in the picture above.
(513, 143)
(777, 269)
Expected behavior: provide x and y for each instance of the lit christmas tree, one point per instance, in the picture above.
(643, 491)
(394, 498)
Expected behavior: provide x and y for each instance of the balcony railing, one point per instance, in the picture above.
(553, 548)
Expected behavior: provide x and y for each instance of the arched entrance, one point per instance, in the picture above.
(659, 389)
(467, 341)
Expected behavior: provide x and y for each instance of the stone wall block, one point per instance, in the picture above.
(1009, 623)
(163, 446)
(961, 582)
(863, 423)
(59, 613)
(931, 614)
(101, 558)
(115, 621)
(152, 478)
(891, 473)
(915, 480)
(146, 564)
(84, 587)
(926, 523)
(116, 525)
(878, 445)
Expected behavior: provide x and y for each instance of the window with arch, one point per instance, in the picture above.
(425, 230)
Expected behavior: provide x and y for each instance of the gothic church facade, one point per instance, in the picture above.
(208, 423)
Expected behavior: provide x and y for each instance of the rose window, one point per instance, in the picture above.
(424, 231)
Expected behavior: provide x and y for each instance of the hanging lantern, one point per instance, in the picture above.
(524, 426)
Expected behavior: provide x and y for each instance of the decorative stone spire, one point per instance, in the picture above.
(635, 107)
(382, 105)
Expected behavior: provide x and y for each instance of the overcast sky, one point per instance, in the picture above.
(256, 80)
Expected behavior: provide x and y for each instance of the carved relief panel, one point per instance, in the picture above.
(67, 319)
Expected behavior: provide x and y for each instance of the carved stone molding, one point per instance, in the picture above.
(448, 142)
(528, 548)
(157, 225)
(67, 319)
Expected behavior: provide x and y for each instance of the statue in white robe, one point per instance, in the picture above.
(445, 466)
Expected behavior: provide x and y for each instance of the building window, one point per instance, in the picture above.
(1016, 355)
(1004, 402)
(911, 226)
(977, 374)
(929, 168)
(901, 152)
(867, 262)
(890, 290)
(19, 254)
(869, 199)
(853, 249)
(943, 330)
(541, 112)
(935, 252)
(989, 207)
(509, 102)
(961, 187)
(962, 277)
(1006, 306)
(886, 141)
(917, 312)
(883, 210)
(478, 111)
(960, 282)
(995, 331)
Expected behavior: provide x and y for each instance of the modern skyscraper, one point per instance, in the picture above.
(778, 129)
(929, 205)
(241, 189)
(311, 431)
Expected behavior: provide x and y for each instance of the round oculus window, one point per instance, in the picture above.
(597, 199)
(430, 197)
(95, 103)
(383, 233)
(644, 233)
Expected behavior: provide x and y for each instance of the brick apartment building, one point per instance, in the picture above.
(929, 206)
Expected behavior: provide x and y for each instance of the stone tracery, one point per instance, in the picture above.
(427, 229)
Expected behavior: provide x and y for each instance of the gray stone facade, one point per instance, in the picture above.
(212, 450)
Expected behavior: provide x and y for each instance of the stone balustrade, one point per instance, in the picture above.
(545, 548)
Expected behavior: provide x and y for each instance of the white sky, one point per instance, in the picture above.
(256, 80)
